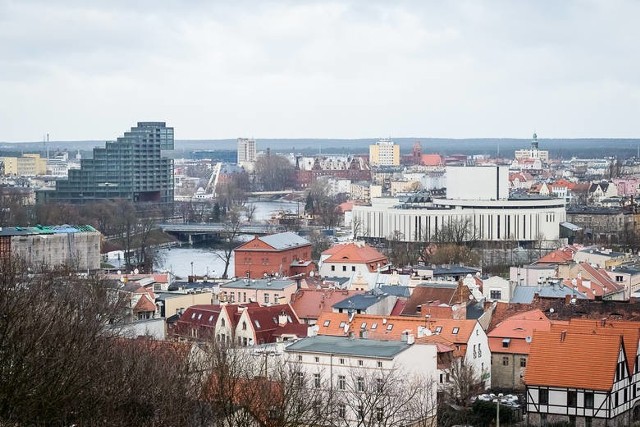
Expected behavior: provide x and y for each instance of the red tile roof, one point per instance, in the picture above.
(144, 304)
(425, 294)
(310, 303)
(519, 330)
(552, 360)
(560, 256)
(265, 322)
(332, 324)
(353, 253)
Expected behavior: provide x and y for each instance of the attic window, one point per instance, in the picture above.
(438, 329)
(389, 326)
(455, 330)
(374, 325)
(364, 325)
(326, 323)
(505, 342)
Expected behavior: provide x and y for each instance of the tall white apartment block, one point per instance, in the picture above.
(246, 150)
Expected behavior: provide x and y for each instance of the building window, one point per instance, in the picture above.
(360, 412)
(317, 359)
(300, 379)
(222, 323)
(506, 342)
(455, 331)
(544, 396)
(326, 323)
(505, 361)
(342, 361)
(266, 298)
(523, 362)
(344, 268)
(333, 268)
(379, 364)
(617, 402)
(587, 422)
(299, 358)
(342, 382)
(493, 294)
(572, 398)
(360, 363)
(379, 414)
(360, 384)
(380, 385)
(588, 400)
(244, 326)
(342, 410)
(316, 380)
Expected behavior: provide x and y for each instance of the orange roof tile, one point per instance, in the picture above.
(518, 328)
(144, 304)
(330, 324)
(629, 331)
(354, 253)
(310, 303)
(552, 360)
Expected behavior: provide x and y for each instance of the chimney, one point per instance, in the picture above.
(563, 335)
(282, 319)
(411, 339)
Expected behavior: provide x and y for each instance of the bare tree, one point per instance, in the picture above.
(229, 238)
(273, 172)
(62, 364)
(386, 398)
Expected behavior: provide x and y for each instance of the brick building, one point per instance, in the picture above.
(282, 254)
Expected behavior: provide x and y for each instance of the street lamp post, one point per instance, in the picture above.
(192, 269)
(498, 409)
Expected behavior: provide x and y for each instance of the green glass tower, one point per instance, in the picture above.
(132, 167)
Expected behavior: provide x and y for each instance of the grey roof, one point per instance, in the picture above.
(397, 290)
(349, 346)
(570, 226)
(286, 240)
(454, 270)
(360, 301)
(525, 294)
(607, 253)
(261, 284)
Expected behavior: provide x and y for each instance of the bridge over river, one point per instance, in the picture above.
(193, 232)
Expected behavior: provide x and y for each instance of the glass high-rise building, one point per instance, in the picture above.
(132, 167)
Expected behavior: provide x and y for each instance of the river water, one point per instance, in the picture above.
(206, 261)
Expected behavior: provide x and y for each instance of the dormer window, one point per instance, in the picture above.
(506, 342)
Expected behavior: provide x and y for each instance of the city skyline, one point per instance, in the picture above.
(320, 70)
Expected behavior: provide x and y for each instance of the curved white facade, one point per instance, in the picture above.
(487, 220)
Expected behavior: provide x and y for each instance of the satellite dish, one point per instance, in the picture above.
(135, 271)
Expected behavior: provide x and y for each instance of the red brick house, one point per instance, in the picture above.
(283, 254)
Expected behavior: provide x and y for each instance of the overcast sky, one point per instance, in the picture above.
(83, 69)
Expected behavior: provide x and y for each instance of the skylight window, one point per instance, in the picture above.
(364, 325)
(389, 326)
(326, 323)
(455, 330)
(257, 323)
(374, 325)
(342, 324)
(438, 329)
